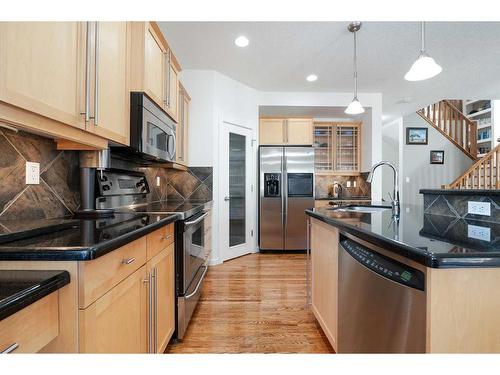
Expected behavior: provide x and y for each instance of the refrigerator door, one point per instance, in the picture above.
(299, 181)
(271, 223)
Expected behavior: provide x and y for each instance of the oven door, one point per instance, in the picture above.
(158, 138)
(194, 251)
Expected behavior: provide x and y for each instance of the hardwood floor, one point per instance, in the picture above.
(254, 304)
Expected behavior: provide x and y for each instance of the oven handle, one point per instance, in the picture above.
(198, 285)
(196, 221)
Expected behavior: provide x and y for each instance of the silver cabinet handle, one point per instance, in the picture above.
(128, 260)
(150, 325)
(167, 237)
(87, 75)
(198, 285)
(196, 221)
(96, 75)
(227, 199)
(10, 349)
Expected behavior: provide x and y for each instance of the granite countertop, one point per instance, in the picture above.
(21, 288)
(433, 240)
(70, 239)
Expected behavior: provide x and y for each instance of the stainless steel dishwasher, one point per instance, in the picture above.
(381, 301)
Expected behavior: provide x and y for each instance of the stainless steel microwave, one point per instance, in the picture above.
(152, 131)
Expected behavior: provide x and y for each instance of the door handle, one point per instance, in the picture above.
(227, 198)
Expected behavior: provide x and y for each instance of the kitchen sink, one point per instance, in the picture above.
(363, 208)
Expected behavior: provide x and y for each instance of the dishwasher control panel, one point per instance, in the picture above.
(384, 266)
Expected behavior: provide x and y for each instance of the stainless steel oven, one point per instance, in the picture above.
(191, 257)
(152, 131)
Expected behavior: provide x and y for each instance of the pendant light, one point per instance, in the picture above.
(425, 67)
(355, 107)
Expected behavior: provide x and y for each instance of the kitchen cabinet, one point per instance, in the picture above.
(31, 328)
(337, 148)
(42, 66)
(183, 127)
(161, 306)
(154, 67)
(324, 277)
(285, 131)
(109, 43)
(116, 322)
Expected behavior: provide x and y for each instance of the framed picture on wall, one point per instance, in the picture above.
(416, 136)
(437, 157)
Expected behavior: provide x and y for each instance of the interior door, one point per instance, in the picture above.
(236, 195)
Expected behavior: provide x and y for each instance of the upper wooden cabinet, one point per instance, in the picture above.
(154, 68)
(41, 68)
(337, 148)
(183, 127)
(285, 131)
(110, 99)
(75, 73)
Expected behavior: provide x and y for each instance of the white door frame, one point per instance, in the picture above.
(225, 251)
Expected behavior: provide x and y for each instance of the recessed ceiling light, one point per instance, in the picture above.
(241, 41)
(312, 77)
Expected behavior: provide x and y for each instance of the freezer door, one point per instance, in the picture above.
(271, 223)
(299, 194)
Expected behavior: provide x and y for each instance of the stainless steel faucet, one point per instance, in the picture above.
(395, 197)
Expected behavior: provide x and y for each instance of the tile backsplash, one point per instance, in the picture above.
(324, 185)
(58, 193)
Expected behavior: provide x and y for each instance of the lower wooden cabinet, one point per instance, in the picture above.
(324, 277)
(161, 306)
(116, 322)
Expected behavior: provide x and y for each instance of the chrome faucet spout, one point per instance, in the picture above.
(395, 197)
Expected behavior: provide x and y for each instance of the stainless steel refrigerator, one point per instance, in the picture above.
(286, 181)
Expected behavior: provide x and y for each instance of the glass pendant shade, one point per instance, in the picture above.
(424, 68)
(354, 108)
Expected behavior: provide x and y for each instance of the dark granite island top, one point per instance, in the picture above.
(21, 288)
(433, 240)
(76, 239)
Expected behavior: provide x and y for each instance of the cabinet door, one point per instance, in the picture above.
(299, 131)
(272, 131)
(172, 83)
(162, 268)
(347, 148)
(110, 98)
(116, 322)
(154, 66)
(42, 68)
(324, 270)
(185, 125)
(182, 128)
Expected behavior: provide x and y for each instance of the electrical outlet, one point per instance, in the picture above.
(158, 182)
(348, 183)
(479, 208)
(407, 179)
(32, 173)
(479, 233)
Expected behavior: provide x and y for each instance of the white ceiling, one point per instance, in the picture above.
(282, 54)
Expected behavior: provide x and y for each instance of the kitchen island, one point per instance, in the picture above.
(455, 308)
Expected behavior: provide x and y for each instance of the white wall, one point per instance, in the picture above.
(215, 99)
(391, 149)
(416, 166)
(371, 135)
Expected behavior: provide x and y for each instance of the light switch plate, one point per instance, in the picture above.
(479, 233)
(348, 183)
(158, 183)
(32, 173)
(354, 183)
(407, 179)
(479, 208)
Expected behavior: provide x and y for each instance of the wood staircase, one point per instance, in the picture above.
(453, 124)
(483, 174)
(462, 132)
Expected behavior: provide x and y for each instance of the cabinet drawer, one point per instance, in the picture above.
(159, 240)
(100, 275)
(32, 327)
